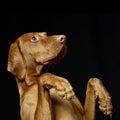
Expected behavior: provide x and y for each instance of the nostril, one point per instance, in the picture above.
(62, 38)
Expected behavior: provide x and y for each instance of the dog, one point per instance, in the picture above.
(46, 96)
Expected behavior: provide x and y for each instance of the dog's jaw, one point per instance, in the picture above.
(52, 59)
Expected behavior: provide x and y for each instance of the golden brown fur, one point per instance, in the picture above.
(45, 96)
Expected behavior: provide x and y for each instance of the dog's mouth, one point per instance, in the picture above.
(56, 57)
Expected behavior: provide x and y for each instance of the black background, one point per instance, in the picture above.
(93, 51)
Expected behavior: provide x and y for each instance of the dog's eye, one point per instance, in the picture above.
(34, 38)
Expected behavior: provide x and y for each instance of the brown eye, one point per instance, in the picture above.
(34, 38)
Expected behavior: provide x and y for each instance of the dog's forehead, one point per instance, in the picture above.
(35, 33)
(27, 36)
(42, 33)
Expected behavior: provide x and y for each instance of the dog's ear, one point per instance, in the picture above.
(16, 62)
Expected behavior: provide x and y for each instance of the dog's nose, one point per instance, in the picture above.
(61, 38)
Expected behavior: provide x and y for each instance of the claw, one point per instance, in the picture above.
(70, 98)
(65, 96)
(105, 113)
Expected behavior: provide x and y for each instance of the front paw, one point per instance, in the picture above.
(61, 85)
(104, 98)
(64, 89)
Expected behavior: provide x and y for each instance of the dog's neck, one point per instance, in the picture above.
(38, 69)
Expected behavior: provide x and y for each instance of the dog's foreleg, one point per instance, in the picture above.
(44, 105)
(96, 89)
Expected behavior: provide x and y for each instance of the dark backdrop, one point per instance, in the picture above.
(93, 51)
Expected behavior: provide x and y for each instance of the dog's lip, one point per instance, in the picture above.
(47, 60)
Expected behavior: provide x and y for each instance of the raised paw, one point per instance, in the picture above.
(61, 85)
(105, 104)
(64, 89)
(104, 99)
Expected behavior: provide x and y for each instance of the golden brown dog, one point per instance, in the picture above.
(45, 96)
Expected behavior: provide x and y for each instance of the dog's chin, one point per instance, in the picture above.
(56, 57)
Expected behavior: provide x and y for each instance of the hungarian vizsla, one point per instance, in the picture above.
(45, 96)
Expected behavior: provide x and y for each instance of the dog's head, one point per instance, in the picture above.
(35, 48)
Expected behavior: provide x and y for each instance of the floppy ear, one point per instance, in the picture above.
(16, 62)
